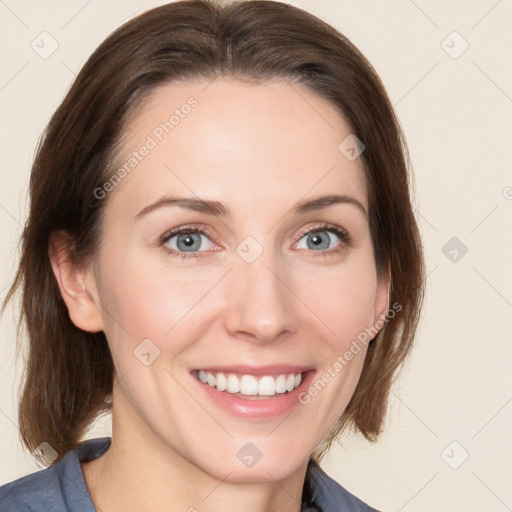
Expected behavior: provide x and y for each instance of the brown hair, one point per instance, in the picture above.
(69, 372)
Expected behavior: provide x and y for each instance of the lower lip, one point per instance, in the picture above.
(263, 408)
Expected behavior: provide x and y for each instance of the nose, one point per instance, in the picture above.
(262, 306)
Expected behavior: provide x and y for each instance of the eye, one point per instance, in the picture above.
(191, 241)
(320, 238)
(186, 241)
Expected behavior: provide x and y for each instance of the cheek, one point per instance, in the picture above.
(143, 301)
(343, 298)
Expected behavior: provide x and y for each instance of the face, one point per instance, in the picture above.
(237, 285)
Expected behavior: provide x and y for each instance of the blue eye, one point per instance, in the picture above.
(189, 241)
(320, 238)
(185, 240)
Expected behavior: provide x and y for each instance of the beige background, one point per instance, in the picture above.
(457, 115)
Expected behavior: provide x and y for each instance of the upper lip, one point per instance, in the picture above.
(272, 369)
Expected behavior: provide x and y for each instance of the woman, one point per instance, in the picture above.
(221, 250)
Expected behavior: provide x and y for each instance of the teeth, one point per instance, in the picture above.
(267, 386)
(210, 379)
(290, 382)
(281, 384)
(221, 382)
(233, 384)
(249, 384)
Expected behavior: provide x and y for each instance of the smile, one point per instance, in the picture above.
(256, 392)
(247, 385)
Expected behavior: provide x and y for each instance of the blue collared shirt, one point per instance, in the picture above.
(61, 487)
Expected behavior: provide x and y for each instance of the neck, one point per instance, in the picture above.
(140, 472)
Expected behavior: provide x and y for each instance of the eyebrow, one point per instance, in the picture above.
(220, 209)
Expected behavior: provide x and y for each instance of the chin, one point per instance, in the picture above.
(258, 461)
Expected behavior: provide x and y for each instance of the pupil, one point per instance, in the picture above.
(187, 240)
(316, 241)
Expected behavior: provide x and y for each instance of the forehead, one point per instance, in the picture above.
(247, 145)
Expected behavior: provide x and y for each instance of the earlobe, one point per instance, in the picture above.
(76, 283)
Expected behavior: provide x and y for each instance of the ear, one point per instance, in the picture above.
(77, 284)
(382, 295)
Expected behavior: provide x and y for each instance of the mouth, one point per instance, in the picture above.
(249, 386)
(254, 392)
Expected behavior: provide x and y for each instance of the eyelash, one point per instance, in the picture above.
(196, 229)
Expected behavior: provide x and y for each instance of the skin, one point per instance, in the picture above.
(259, 149)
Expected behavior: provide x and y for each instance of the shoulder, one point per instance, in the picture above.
(57, 488)
(329, 496)
(37, 491)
